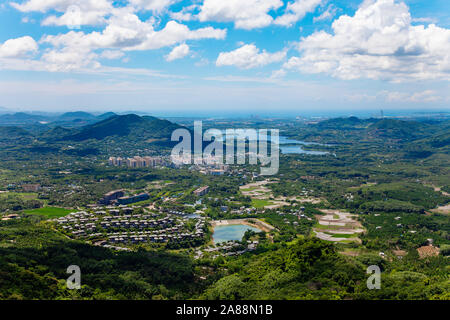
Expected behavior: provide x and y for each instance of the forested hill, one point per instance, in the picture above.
(353, 129)
(131, 126)
(139, 131)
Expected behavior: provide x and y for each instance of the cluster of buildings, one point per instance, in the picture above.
(113, 226)
(164, 235)
(31, 187)
(135, 222)
(118, 197)
(227, 249)
(111, 196)
(211, 168)
(79, 224)
(133, 199)
(136, 162)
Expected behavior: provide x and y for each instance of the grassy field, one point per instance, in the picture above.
(49, 212)
(260, 203)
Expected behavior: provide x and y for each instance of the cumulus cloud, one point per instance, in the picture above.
(19, 47)
(178, 52)
(124, 32)
(127, 32)
(378, 42)
(86, 12)
(175, 32)
(248, 56)
(248, 14)
(296, 11)
(152, 5)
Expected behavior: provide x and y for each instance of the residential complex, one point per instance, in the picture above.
(136, 162)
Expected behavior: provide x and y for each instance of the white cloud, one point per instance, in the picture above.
(112, 54)
(378, 42)
(86, 12)
(178, 52)
(327, 14)
(249, 56)
(251, 14)
(186, 14)
(296, 11)
(175, 32)
(124, 32)
(246, 14)
(152, 5)
(127, 32)
(19, 47)
(417, 97)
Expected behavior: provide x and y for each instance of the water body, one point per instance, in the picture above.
(231, 232)
(297, 149)
(287, 148)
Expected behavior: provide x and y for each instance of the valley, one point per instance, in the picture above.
(365, 199)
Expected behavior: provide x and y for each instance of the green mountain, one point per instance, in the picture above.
(397, 129)
(106, 115)
(21, 118)
(68, 116)
(14, 135)
(13, 132)
(55, 133)
(344, 123)
(130, 126)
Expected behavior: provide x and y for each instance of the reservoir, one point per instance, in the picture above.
(290, 146)
(229, 232)
(295, 147)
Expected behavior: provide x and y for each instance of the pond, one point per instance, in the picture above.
(231, 232)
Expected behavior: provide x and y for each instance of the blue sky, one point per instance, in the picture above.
(261, 56)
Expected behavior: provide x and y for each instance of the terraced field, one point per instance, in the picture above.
(337, 226)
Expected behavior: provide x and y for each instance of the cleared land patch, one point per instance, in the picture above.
(337, 226)
(259, 191)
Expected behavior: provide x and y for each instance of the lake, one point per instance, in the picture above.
(297, 149)
(291, 146)
(231, 232)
